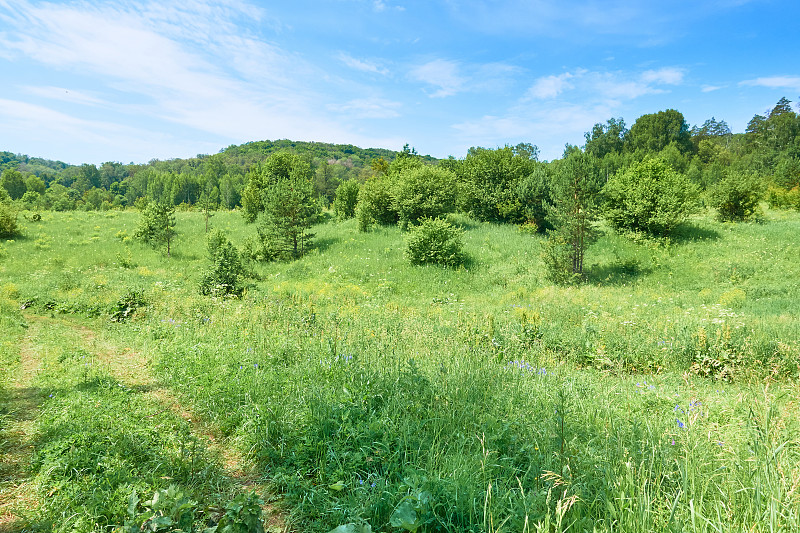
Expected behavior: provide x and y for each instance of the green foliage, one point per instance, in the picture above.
(127, 305)
(13, 182)
(572, 215)
(649, 197)
(279, 167)
(779, 198)
(375, 203)
(226, 274)
(423, 192)
(289, 210)
(169, 510)
(435, 241)
(157, 225)
(8, 221)
(653, 132)
(608, 138)
(490, 179)
(736, 196)
(346, 199)
(172, 511)
(242, 515)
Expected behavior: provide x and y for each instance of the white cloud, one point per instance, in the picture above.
(549, 86)
(442, 74)
(362, 65)
(66, 95)
(667, 76)
(27, 122)
(711, 88)
(146, 61)
(775, 82)
(564, 106)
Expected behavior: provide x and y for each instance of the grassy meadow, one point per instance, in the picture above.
(659, 395)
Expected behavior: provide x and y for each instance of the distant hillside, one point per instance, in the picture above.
(30, 165)
(237, 159)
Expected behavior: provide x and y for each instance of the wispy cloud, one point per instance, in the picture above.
(597, 86)
(565, 105)
(442, 74)
(362, 64)
(144, 60)
(775, 82)
(66, 95)
(711, 88)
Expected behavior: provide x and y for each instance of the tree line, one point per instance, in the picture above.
(647, 178)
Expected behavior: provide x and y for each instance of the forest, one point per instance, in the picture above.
(301, 336)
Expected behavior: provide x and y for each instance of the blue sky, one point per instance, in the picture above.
(133, 80)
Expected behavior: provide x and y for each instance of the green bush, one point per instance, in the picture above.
(649, 197)
(424, 192)
(779, 198)
(8, 222)
(344, 204)
(435, 241)
(226, 273)
(375, 205)
(736, 196)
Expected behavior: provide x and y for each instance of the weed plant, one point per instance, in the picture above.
(658, 396)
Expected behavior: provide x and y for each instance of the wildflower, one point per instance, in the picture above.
(680, 424)
(673, 442)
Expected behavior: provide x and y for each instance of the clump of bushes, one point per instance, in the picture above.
(424, 192)
(344, 204)
(649, 197)
(435, 241)
(779, 198)
(736, 197)
(375, 204)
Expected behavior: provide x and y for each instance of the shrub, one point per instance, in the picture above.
(435, 241)
(736, 197)
(226, 273)
(8, 222)
(375, 205)
(344, 204)
(423, 192)
(779, 198)
(491, 180)
(649, 197)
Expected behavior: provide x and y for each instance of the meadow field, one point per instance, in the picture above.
(355, 392)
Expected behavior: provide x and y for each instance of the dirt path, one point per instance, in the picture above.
(131, 368)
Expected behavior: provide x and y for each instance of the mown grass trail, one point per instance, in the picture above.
(65, 371)
(17, 493)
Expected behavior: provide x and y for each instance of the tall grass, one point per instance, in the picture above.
(659, 396)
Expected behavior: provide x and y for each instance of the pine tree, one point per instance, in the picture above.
(572, 215)
(289, 211)
(157, 225)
